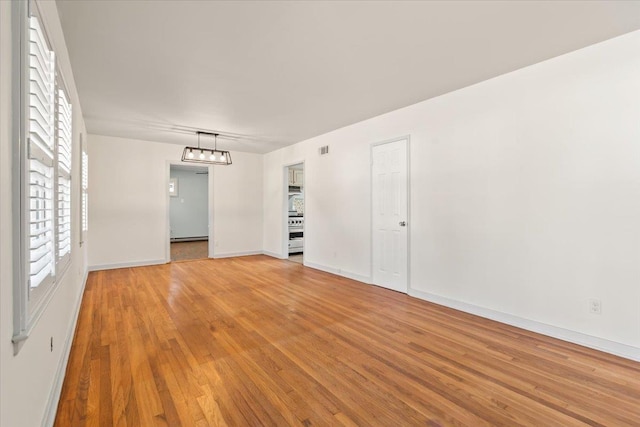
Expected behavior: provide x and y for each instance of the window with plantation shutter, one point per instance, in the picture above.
(64, 141)
(85, 194)
(41, 146)
(44, 141)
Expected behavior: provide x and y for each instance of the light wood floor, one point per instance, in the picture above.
(259, 341)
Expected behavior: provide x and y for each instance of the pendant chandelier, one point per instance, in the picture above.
(206, 155)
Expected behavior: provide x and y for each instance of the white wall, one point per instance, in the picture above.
(189, 211)
(128, 206)
(525, 195)
(237, 206)
(30, 381)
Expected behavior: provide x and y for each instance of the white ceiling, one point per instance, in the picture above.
(268, 74)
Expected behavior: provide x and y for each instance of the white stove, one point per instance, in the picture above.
(296, 222)
(296, 234)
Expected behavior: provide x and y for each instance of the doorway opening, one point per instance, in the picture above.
(188, 212)
(295, 212)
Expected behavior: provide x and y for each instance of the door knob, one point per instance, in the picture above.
(403, 223)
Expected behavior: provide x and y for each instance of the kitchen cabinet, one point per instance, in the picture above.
(296, 177)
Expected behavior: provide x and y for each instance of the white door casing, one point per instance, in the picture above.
(389, 211)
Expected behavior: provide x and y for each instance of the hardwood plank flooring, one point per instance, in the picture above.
(257, 341)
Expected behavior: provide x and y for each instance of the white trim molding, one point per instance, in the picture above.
(127, 264)
(274, 255)
(237, 254)
(601, 344)
(339, 272)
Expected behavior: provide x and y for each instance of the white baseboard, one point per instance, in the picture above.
(274, 254)
(54, 397)
(162, 261)
(339, 272)
(126, 264)
(235, 254)
(616, 348)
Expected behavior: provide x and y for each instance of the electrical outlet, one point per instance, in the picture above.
(51, 343)
(595, 306)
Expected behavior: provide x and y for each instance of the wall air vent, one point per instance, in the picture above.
(323, 150)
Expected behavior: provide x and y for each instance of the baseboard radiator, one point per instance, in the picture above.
(188, 239)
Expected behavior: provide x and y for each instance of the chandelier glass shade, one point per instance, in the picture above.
(206, 155)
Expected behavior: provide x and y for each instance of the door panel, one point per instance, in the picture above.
(389, 194)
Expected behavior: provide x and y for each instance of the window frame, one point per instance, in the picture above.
(62, 262)
(84, 190)
(29, 303)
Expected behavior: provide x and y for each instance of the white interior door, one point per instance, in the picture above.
(389, 193)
